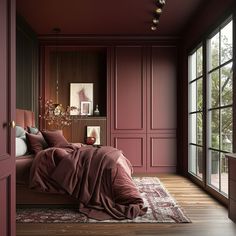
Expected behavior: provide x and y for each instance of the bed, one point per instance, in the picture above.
(99, 176)
(24, 195)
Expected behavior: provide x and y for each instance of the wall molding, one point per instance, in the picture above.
(107, 40)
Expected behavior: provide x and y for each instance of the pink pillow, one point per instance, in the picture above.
(55, 138)
(36, 142)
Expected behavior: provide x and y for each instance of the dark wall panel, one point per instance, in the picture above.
(77, 66)
(63, 65)
(26, 67)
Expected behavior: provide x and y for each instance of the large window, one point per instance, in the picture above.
(219, 105)
(214, 108)
(196, 112)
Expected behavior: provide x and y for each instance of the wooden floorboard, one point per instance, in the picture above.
(207, 215)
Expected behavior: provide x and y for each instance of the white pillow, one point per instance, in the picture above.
(21, 147)
(20, 131)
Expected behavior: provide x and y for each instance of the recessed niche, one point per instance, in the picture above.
(76, 65)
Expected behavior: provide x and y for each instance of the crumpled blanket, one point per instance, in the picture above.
(99, 177)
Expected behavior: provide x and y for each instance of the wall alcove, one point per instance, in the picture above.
(63, 65)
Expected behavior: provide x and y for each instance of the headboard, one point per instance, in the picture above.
(25, 118)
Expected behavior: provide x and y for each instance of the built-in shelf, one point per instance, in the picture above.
(75, 118)
(79, 128)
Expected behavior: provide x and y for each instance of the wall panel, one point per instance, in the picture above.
(143, 105)
(134, 148)
(129, 88)
(162, 104)
(162, 110)
(161, 153)
(26, 67)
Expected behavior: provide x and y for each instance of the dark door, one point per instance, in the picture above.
(7, 110)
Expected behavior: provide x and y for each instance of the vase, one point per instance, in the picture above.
(90, 140)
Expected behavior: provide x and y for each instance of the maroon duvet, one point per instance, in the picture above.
(95, 176)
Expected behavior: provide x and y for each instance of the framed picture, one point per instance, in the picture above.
(94, 131)
(85, 108)
(81, 92)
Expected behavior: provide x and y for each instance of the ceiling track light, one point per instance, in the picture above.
(153, 28)
(160, 3)
(158, 10)
(157, 13)
(155, 21)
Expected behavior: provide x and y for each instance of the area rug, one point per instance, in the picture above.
(162, 208)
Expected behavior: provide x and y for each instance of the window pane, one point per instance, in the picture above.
(199, 62)
(214, 51)
(199, 161)
(192, 159)
(214, 129)
(224, 173)
(226, 129)
(214, 83)
(199, 94)
(193, 128)
(195, 160)
(226, 42)
(214, 168)
(199, 128)
(227, 84)
(193, 97)
(193, 67)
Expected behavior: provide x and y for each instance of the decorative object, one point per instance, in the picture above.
(94, 131)
(157, 13)
(85, 108)
(162, 208)
(96, 111)
(81, 92)
(90, 140)
(56, 115)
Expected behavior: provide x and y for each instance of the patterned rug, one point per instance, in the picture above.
(162, 208)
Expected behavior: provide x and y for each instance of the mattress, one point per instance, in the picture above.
(23, 165)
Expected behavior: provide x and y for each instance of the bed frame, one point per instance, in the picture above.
(26, 196)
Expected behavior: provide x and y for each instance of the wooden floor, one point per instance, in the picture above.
(207, 215)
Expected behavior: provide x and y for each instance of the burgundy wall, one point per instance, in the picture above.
(128, 104)
(207, 18)
(162, 110)
(141, 97)
(129, 82)
(143, 106)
